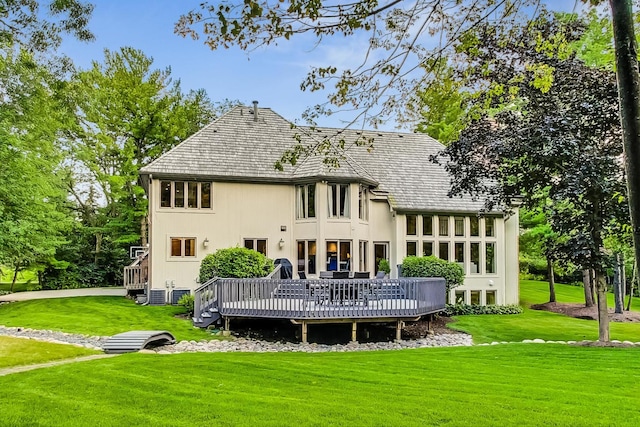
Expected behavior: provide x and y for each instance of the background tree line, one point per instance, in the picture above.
(72, 142)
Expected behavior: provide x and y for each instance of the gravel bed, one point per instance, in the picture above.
(241, 344)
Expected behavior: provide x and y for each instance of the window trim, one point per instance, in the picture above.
(185, 195)
(183, 240)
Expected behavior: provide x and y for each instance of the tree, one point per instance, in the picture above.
(38, 26)
(564, 138)
(33, 214)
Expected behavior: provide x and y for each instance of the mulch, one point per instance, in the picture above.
(580, 311)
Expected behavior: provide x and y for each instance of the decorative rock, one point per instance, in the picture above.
(527, 341)
(538, 341)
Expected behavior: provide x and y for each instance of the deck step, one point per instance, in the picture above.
(131, 341)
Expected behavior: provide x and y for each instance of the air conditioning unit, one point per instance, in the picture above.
(157, 297)
(176, 294)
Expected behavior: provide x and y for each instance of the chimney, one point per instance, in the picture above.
(255, 111)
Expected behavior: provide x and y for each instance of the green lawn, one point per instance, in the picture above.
(540, 324)
(20, 351)
(508, 385)
(98, 316)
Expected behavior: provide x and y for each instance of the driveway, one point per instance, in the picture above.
(63, 293)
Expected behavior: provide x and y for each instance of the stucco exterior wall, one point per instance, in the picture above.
(267, 211)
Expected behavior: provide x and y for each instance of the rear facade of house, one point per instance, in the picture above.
(386, 200)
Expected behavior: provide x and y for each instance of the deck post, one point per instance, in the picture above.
(227, 324)
(399, 330)
(354, 331)
(304, 331)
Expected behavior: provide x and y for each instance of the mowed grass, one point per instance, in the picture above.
(98, 316)
(540, 324)
(516, 384)
(20, 351)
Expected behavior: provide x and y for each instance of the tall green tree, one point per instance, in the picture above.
(565, 139)
(33, 114)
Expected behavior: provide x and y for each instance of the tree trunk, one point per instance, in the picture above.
(588, 290)
(15, 277)
(603, 313)
(618, 285)
(98, 248)
(634, 277)
(629, 93)
(552, 280)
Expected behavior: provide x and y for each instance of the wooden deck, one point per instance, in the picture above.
(319, 301)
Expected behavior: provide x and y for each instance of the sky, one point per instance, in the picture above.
(271, 75)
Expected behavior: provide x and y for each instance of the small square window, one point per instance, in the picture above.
(443, 250)
(474, 226)
(427, 248)
(475, 298)
(459, 297)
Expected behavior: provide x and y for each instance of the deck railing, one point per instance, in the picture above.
(135, 277)
(205, 299)
(328, 299)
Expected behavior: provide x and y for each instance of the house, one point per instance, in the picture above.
(219, 188)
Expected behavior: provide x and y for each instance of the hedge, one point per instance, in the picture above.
(431, 266)
(464, 309)
(241, 263)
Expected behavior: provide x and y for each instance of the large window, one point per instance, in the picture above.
(443, 250)
(474, 226)
(183, 247)
(412, 221)
(427, 225)
(490, 257)
(307, 256)
(427, 248)
(443, 225)
(259, 245)
(380, 251)
(490, 297)
(338, 255)
(189, 194)
(490, 227)
(459, 226)
(364, 264)
(412, 248)
(363, 203)
(458, 250)
(306, 201)
(475, 258)
(338, 195)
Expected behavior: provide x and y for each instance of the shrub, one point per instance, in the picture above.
(430, 266)
(383, 265)
(464, 309)
(241, 263)
(187, 301)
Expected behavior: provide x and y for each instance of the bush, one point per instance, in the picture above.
(430, 266)
(464, 309)
(187, 301)
(241, 263)
(383, 265)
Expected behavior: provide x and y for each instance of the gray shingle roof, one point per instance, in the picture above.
(236, 147)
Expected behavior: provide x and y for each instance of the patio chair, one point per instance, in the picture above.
(361, 275)
(340, 274)
(302, 275)
(380, 274)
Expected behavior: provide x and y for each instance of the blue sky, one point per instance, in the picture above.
(271, 75)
